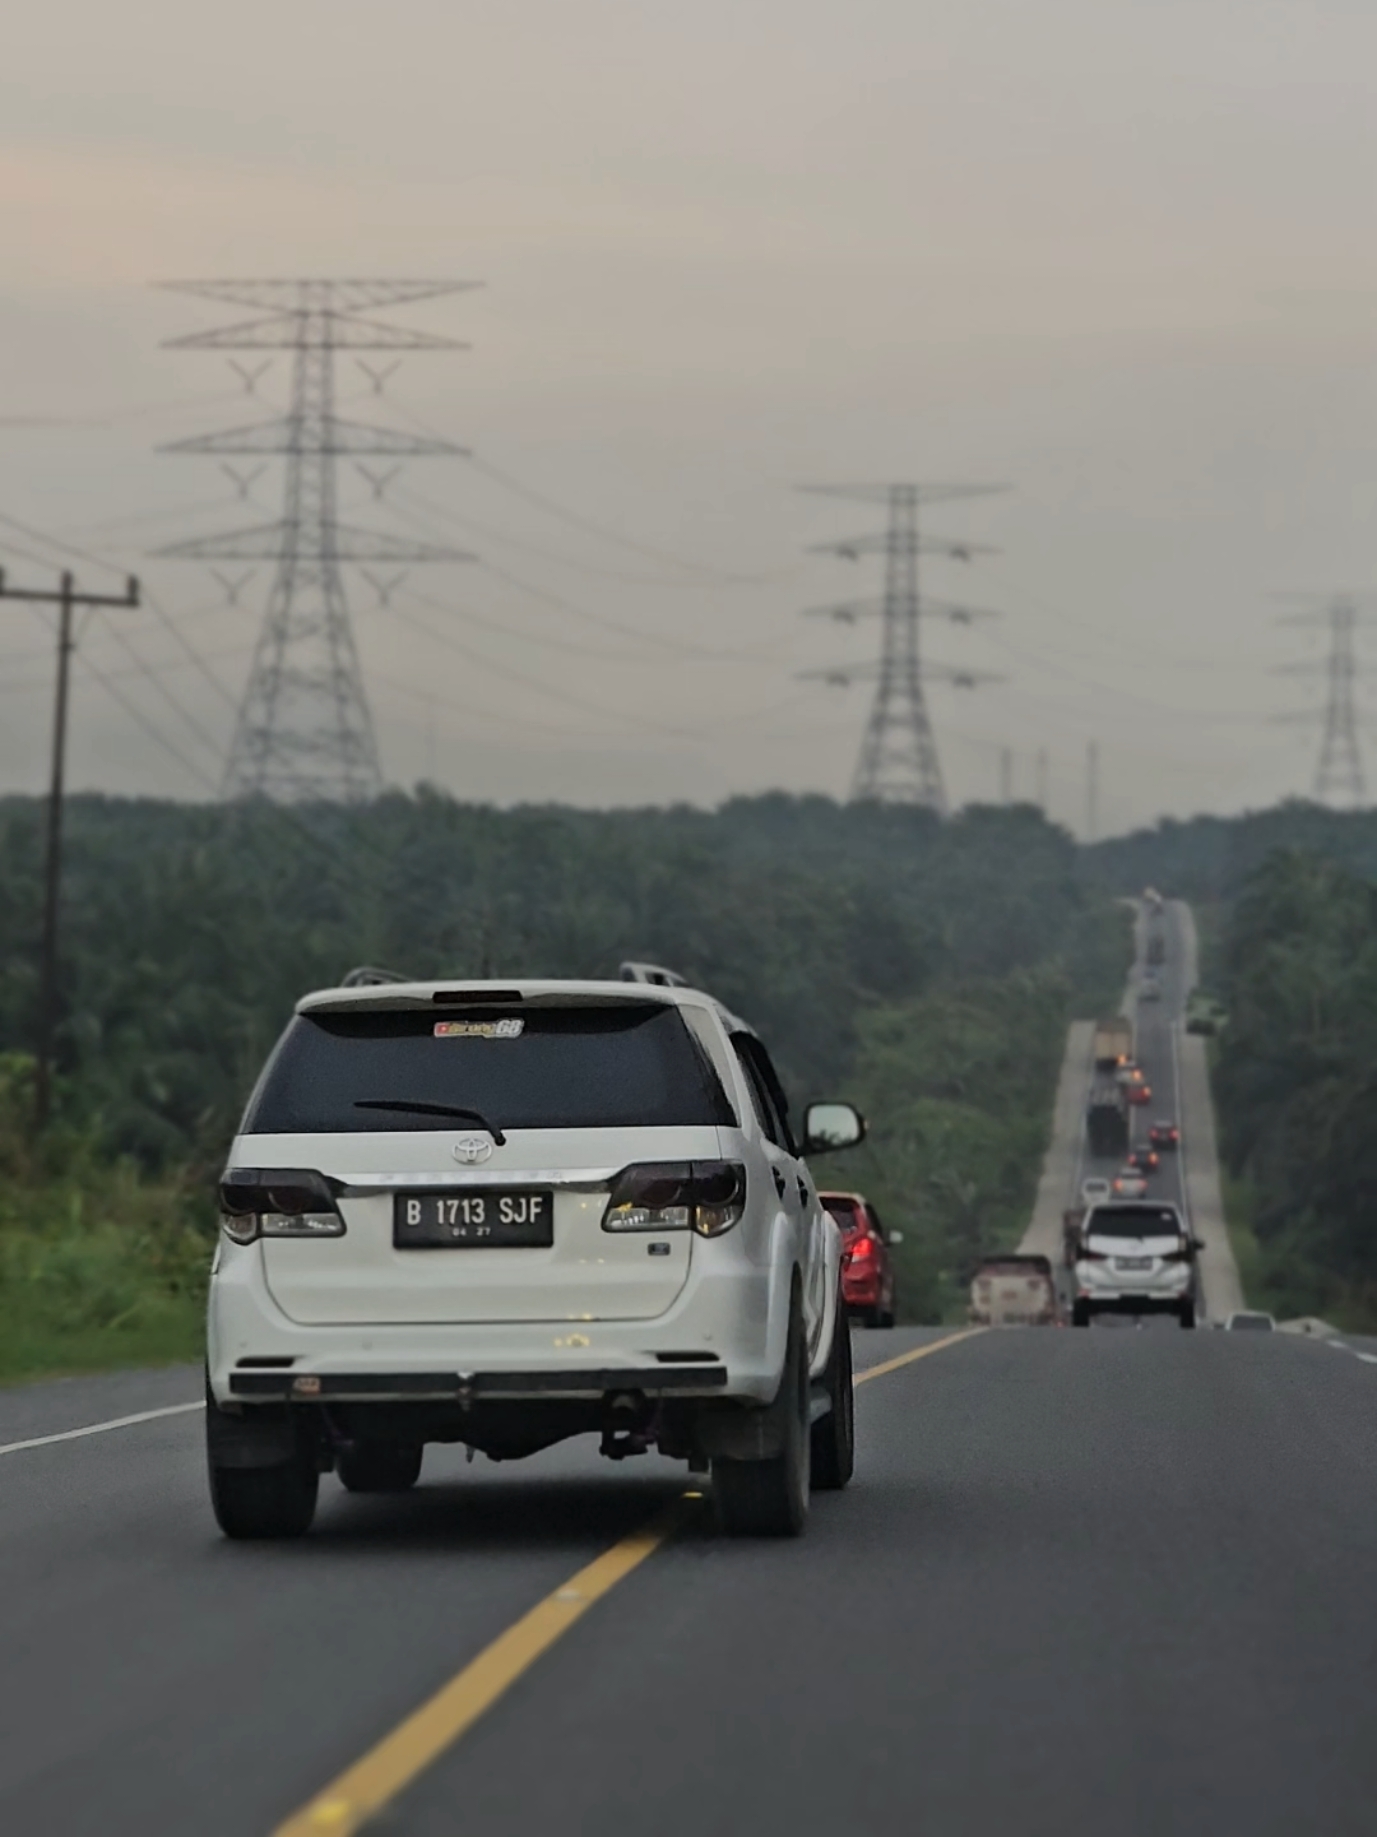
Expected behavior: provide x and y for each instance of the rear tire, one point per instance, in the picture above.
(833, 1436)
(769, 1498)
(1187, 1314)
(1080, 1313)
(380, 1467)
(256, 1502)
(887, 1319)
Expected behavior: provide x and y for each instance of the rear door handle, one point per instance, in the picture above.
(803, 1194)
(779, 1180)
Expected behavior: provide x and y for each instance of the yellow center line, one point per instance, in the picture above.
(361, 1791)
(919, 1352)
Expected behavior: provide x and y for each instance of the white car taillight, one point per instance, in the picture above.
(264, 1202)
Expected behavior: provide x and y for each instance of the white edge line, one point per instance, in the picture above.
(100, 1428)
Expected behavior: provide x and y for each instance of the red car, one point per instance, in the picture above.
(1146, 1160)
(1164, 1135)
(867, 1267)
(1139, 1093)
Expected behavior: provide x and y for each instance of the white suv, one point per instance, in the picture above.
(1135, 1258)
(501, 1214)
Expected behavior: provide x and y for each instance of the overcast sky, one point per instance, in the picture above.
(1119, 255)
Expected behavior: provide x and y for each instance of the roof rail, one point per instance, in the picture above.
(652, 972)
(365, 976)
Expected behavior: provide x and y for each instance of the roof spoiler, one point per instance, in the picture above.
(366, 976)
(652, 972)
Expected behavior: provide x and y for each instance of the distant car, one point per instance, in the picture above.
(1130, 1183)
(1249, 1320)
(1094, 1191)
(1146, 1160)
(1139, 1093)
(1135, 1259)
(867, 1267)
(1014, 1291)
(1164, 1135)
(1130, 1072)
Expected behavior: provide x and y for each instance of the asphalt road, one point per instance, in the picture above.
(1154, 1049)
(1083, 1583)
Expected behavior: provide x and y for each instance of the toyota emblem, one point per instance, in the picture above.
(470, 1149)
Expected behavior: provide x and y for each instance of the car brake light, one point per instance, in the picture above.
(708, 1197)
(268, 1202)
(861, 1247)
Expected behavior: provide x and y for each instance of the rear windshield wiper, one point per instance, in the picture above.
(407, 1108)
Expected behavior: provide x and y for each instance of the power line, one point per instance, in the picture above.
(304, 729)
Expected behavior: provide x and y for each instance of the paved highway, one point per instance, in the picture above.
(1083, 1583)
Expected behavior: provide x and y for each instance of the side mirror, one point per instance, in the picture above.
(829, 1126)
(896, 1237)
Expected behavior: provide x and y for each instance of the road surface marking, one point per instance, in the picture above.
(1368, 1358)
(920, 1352)
(101, 1428)
(361, 1791)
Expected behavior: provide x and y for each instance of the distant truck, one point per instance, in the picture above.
(1113, 1042)
(1106, 1120)
(1014, 1291)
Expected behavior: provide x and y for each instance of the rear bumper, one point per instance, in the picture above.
(724, 1336)
(291, 1386)
(1135, 1304)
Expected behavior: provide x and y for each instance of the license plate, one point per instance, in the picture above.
(493, 1219)
(1133, 1263)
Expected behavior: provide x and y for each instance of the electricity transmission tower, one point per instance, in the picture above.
(898, 761)
(1339, 769)
(304, 729)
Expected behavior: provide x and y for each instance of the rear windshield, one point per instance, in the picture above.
(843, 1210)
(1134, 1221)
(634, 1065)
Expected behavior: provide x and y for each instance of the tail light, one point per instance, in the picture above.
(861, 1248)
(708, 1197)
(272, 1202)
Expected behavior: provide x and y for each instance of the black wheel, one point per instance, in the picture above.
(380, 1467)
(874, 1318)
(1080, 1313)
(264, 1476)
(833, 1436)
(769, 1498)
(1187, 1314)
(887, 1319)
(264, 1501)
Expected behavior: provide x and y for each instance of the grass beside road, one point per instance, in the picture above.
(101, 1265)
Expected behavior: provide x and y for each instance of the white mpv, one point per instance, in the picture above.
(502, 1214)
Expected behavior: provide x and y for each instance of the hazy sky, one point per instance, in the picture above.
(1120, 255)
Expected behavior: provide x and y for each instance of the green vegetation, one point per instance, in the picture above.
(930, 967)
(100, 1264)
(959, 1084)
(1296, 1085)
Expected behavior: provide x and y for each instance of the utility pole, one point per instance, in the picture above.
(66, 598)
(304, 729)
(1339, 769)
(1092, 790)
(898, 761)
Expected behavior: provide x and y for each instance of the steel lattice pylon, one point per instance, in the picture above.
(304, 730)
(898, 761)
(1340, 768)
